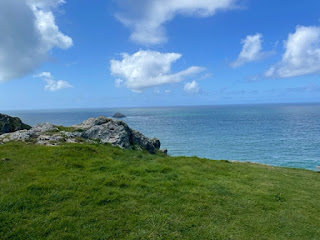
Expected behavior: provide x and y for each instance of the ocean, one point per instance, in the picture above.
(285, 135)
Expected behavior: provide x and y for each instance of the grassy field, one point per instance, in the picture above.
(87, 191)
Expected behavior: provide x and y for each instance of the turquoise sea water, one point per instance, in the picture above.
(280, 134)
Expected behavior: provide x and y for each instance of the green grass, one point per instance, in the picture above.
(94, 191)
(69, 129)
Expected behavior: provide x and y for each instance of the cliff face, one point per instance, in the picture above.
(11, 124)
(100, 130)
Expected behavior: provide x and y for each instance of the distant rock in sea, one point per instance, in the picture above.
(96, 130)
(118, 115)
(11, 124)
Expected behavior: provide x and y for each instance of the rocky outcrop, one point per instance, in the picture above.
(118, 115)
(116, 132)
(138, 139)
(11, 124)
(101, 129)
(43, 127)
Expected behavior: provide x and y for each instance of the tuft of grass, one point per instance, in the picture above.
(69, 129)
(96, 191)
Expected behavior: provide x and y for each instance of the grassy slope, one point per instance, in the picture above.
(102, 192)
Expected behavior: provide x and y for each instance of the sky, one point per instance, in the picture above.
(141, 53)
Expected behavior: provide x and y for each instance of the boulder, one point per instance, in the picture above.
(118, 115)
(22, 135)
(92, 122)
(116, 132)
(11, 124)
(44, 127)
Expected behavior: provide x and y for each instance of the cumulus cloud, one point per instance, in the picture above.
(301, 56)
(53, 85)
(192, 87)
(28, 33)
(251, 50)
(146, 17)
(145, 69)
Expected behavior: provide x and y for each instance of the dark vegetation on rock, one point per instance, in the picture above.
(11, 124)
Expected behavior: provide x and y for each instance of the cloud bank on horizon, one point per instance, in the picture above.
(28, 33)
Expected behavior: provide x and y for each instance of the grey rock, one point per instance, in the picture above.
(71, 140)
(118, 115)
(22, 135)
(165, 151)
(4, 136)
(115, 132)
(43, 138)
(71, 134)
(92, 122)
(156, 143)
(44, 127)
(118, 133)
(106, 130)
(139, 139)
(50, 139)
(10, 124)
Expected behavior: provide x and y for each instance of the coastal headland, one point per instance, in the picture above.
(94, 189)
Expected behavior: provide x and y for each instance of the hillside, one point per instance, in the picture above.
(96, 191)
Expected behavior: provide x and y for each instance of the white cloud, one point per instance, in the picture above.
(53, 85)
(206, 76)
(251, 50)
(192, 87)
(301, 56)
(146, 17)
(47, 4)
(27, 33)
(44, 75)
(145, 69)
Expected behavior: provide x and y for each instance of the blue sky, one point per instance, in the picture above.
(136, 53)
